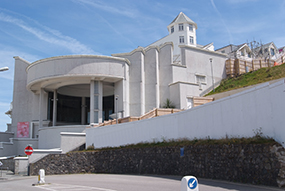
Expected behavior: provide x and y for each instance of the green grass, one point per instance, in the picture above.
(257, 139)
(251, 78)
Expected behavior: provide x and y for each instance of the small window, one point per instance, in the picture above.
(190, 27)
(181, 28)
(191, 40)
(242, 53)
(200, 79)
(172, 29)
(181, 39)
(223, 51)
(248, 55)
(272, 52)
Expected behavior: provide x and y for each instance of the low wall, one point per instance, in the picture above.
(238, 115)
(5, 136)
(50, 137)
(249, 163)
(8, 163)
(21, 165)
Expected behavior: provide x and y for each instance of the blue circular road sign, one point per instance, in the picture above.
(192, 183)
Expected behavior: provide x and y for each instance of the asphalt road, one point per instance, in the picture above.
(109, 182)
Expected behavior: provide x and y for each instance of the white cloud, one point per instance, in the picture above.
(49, 35)
(220, 15)
(108, 8)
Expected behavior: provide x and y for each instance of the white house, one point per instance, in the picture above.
(247, 51)
(67, 93)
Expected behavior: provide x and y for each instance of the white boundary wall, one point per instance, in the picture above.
(236, 116)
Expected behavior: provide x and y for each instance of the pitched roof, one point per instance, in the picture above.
(181, 18)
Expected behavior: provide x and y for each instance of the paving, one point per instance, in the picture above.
(111, 182)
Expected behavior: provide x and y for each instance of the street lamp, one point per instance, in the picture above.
(4, 69)
(211, 59)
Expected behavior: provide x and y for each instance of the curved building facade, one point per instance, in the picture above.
(67, 93)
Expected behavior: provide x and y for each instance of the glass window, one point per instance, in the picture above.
(181, 27)
(96, 102)
(96, 87)
(172, 29)
(96, 116)
(200, 79)
(181, 39)
(190, 27)
(191, 40)
(272, 52)
(242, 53)
(248, 55)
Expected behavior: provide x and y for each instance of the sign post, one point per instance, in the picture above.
(189, 183)
(28, 151)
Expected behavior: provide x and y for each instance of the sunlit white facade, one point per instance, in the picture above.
(67, 93)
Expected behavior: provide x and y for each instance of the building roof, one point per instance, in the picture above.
(182, 18)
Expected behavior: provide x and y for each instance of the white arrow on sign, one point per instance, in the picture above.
(1, 163)
(191, 184)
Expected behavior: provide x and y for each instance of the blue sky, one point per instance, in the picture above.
(36, 29)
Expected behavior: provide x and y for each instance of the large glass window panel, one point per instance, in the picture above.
(96, 87)
(96, 116)
(96, 102)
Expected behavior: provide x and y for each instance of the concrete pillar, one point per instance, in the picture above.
(142, 86)
(100, 100)
(157, 80)
(92, 101)
(54, 112)
(126, 90)
(96, 101)
(41, 108)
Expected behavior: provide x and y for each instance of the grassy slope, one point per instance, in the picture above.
(251, 78)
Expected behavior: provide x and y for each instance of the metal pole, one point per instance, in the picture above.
(212, 74)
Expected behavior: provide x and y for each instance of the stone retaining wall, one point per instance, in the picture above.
(254, 163)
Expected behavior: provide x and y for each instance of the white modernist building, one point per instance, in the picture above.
(67, 93)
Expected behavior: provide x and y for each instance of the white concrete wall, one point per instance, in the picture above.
(21, 165)
(71, 141)
(16, 146)
(136, 82)
(76, 65)
(41, 153)
(165, 71)
(50, 138)
(174, 38)
(5, 136)
(237, 115)
(151, 81)
(22, 98)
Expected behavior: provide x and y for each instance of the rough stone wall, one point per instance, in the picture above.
(254, 163)
(8, 164)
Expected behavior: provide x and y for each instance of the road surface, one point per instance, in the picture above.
(111, 182)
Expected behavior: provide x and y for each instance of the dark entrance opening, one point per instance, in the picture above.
(68, 109)
(108, 107)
